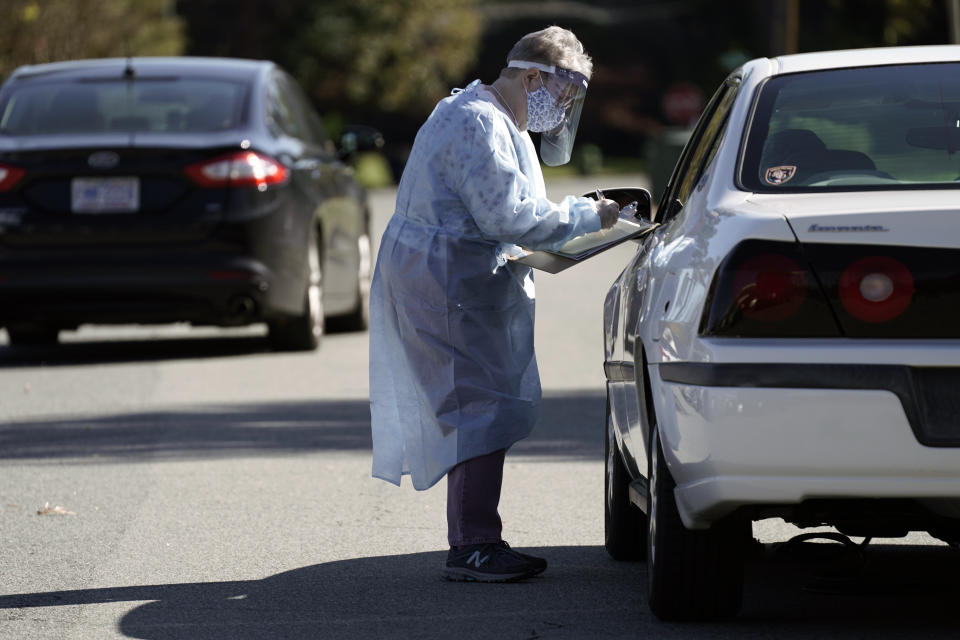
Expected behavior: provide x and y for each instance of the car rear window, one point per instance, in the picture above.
(158, 105)
(889, 127)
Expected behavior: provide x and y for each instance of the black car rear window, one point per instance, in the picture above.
(91, 106)
(888, 127)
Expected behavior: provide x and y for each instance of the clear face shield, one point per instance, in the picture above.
(567, 89)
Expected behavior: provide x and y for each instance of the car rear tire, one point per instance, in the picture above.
(304, 331)
(32, 336)
(693, 575)
(624, 525)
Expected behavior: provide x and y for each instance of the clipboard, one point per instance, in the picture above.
(629, 226)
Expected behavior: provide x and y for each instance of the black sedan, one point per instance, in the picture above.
(156, 190)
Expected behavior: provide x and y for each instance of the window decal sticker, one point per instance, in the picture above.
(781, 174)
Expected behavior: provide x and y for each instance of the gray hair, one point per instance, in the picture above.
(554, 46)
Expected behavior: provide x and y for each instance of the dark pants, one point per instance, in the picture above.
(473, 493)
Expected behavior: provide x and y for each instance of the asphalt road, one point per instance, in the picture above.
(213, 489)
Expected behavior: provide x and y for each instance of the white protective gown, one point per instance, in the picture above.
(453, 373)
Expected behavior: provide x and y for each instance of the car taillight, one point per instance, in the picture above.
(240, 169)
(770, 287)
(764, 289)
(782, 289)
(9, 176)
(876, 289)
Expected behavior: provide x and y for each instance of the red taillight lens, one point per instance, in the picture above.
(241, 169)
(770, 287)
(851, 290)
(876, 289)
(765, 289)
(9, 176)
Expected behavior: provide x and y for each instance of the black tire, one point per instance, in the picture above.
(359, 318)
(624, 525)
(32, 336)
(303, 332)
(693, 575)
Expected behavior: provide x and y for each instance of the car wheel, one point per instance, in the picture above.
(692, 574)
(359, 318)
(624, 525)
(32, 335)
(303, 332)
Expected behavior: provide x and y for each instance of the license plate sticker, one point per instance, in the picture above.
(105, 195)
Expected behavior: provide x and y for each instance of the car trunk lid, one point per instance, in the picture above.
(81, 190)
(929, 218)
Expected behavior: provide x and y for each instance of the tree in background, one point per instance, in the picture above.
(392, 56)
(35, 31)
(364, 57)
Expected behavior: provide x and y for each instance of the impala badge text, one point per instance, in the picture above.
(843, 228)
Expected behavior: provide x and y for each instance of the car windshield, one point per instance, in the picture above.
(889, 127)
(141, 105)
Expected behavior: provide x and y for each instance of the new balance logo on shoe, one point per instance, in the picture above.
(490, 562)
(476, 560)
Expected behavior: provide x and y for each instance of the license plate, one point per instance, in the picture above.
(105, 195)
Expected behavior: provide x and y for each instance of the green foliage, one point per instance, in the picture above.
(395, 56)
(35, 31)
(906, 19)
(372, 170)
(849, 24)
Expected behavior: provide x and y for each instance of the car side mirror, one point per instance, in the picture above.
(626, 195)
(359, 137)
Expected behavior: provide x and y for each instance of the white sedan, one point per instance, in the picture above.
(786, 343)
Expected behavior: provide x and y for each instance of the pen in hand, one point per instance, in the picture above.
(608, 210)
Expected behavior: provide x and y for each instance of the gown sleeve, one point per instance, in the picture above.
(491, 186)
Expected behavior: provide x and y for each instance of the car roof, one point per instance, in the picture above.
(181, 66)
(820, 60)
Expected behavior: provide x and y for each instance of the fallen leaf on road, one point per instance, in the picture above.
(54, 511)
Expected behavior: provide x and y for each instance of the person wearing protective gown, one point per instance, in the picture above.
(453, 373)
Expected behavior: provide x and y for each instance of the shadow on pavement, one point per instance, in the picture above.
(571, 426)
(583, 594)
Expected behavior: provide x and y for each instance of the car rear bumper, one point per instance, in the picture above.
(738, 435)
(218, 290)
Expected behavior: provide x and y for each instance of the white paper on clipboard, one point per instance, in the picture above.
(626, 228)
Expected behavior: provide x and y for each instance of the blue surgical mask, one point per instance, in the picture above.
(543, 112)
